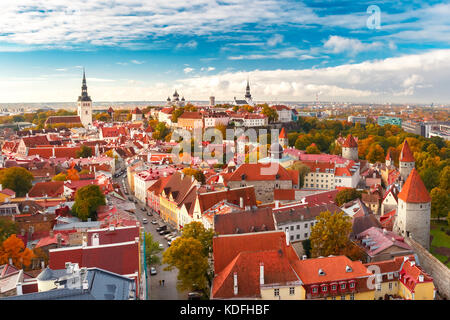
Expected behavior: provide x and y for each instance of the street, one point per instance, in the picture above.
(156, 292)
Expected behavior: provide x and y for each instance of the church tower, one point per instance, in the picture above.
(414, 210)
(248, 96)
(350, 148)
(283, 139)
(406, 161)
(85, 105)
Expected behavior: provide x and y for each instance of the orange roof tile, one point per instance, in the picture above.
(414, 189)
(350, 142)
(406, 155)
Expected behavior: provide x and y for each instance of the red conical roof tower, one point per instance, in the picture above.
(350, 142)
(282, 134)
(406, 155)
(414, 189)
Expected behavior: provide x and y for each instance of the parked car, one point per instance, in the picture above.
(154, 221)
(143, 209)
(161, 246)
(167, 236)
(144, 221)
(195, 295)
(163, 232)
(153, 271)
(161, 228)
(149, 214)
(130, 198)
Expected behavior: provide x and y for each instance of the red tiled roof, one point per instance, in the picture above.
(227, 247)
(51, 189)
(35, 140)
(350, 142)
(334, 268)
(207, 200)
(114, 235)
(414, 189)
(255, 172)
(244, 222)
(190, 115)
(121, 258)
(406, 155)
(136, 111)
(246, 265)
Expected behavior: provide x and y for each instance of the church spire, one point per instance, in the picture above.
(84, 94)
(247, 91)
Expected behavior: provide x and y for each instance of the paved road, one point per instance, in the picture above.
(157, 292)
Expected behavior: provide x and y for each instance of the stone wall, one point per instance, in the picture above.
(439, 271)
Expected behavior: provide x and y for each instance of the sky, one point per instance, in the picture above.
(343, 51)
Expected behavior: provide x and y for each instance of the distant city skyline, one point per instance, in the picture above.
(289, 50)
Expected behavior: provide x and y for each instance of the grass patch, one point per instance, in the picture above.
(440, 238)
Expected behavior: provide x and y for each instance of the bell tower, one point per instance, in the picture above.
(85, 104)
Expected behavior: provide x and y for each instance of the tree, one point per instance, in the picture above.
(329, 236)
(302, 169)
(18, 179)
(151, 249)
(440, 202)
(347, 195)
(72, 174)
(189, 254)
(186, 255)
(84, 152)
(197, 174)
(176, 114)
(104, 116)
(444, 179)
(87, 200)
(270, 113)
(14, 248)
(60, 177)
(375, 154)
(312, 149)
(430, 177)
(7, 228)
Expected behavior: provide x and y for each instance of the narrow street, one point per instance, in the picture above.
(156, 291)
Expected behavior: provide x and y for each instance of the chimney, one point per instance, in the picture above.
(84, 241)
(59, 239)
(10, 261)
(277, 204)
(235, 283)
(241, 202)
(304, 257)
(261, 273)
(19, 291)
(384, 231)
(287, 238)
(421, 278)
(42, 264)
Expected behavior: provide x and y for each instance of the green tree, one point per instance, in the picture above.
(302, 169)
(60, 177)
(329, 235)
(375, 154)
(197, 174)
(197, 231)
(176, 114)
(444, 179)
(430, 177)
(347, 195)
(18, 179)
(84, 152)
(270, 113)
(87, 200)
(440, 202)
(152, 250)
(7, 228)
(312, 149)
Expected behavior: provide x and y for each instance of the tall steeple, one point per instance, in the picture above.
(85, 104)
(84, 94)
(247, 91)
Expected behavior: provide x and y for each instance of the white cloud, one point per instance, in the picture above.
(339, 44)
(274, 40)
(190, 45)
(137, 62)
(188, 69)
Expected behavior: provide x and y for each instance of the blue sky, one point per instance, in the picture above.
(290, 50)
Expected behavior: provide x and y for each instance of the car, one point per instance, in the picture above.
(153, 271)
(130, 198)
(161, 228)
(195, 295)
(154, 221)
(144, 221)
(163, 232)
(135, 201)
(167, 236)
(149, 214)
(171, 237)
(143, 209)
(161, 246)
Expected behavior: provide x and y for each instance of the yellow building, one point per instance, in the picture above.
(401, 278)
(6, 194)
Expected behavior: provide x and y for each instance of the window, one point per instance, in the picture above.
(314, 290)
(352, 285)
(324, 289)
(333, 298)
(291, 290)
(298, 236)
(352, 296)
(378, 286)
(306, 225)
(292, 238)
(276, 292)
(333, 287)
(292, 228)
(306, 235)
(298, 227)
(343, 286)
(390, 285)
(343, 297)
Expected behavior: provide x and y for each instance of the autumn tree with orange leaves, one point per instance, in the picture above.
(14, 248)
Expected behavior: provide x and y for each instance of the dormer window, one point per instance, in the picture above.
(348, 269)
(321, 272)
